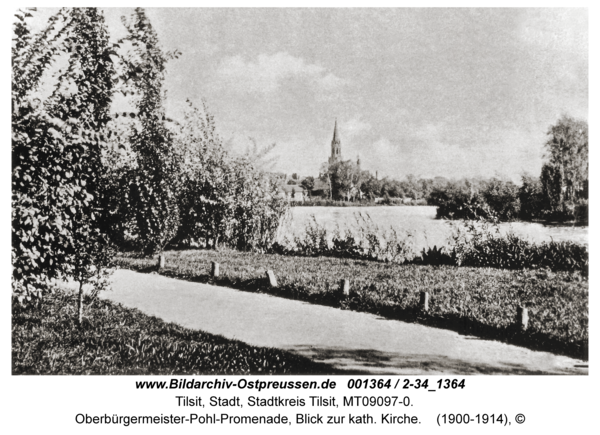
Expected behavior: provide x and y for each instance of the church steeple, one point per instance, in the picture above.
(336, 138)
(336, 146)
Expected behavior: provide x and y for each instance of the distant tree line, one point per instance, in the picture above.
(345, 180)
(560, 193)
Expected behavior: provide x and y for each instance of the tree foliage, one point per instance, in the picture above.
(205, 197)
(344, 179)
(533, 202)
(84, 178)
(57, 143)
(565, 174)
(223, 198)
(152, 186)
(308, 184)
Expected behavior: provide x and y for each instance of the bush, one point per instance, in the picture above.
(480, 244)
(365, 240)
(494, 199)
(223, 199)
(391, 201)
(458, 200)
(472, 243)
(502, 197)
(532, 199)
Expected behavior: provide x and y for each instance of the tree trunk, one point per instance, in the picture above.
(80, 305)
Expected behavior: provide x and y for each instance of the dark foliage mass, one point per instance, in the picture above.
(493, 199)
(119, 341)
(87, 181)
(150, 190)
(481, 245)
(478, 301)
(57, 148)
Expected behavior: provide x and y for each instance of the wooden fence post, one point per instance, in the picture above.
(522, 318)
(424, 302)
(214, 269)
(271, 278)
(345, 287)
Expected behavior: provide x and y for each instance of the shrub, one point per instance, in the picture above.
(223, 199)
(391, 201)
(365, 240)
(480, 244)
(532, 199)
(502, 197)
(494, 199)
(458, 200)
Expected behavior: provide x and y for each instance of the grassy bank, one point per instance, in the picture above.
(477, 301)
(122, 341)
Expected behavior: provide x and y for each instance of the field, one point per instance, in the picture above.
(476, 301)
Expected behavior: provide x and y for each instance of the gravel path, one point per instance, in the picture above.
(345, 339)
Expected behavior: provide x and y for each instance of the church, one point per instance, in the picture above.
(322, 187)
(336, 148)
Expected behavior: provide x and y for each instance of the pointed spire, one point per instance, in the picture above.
(335, 133)
(336, 146)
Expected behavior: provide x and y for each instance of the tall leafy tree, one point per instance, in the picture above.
(152, 187)
(565, 174)
(57, 143)
(206, 197)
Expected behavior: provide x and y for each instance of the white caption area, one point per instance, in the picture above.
(101, 404)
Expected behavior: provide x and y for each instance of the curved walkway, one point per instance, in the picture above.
(344, 339)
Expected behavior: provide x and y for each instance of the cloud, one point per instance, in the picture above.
(420, 157)
(427, 152)
(330, 82)
(268, 71)
(353, 127)
(563, 30)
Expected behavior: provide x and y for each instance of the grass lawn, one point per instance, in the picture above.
(477, 301)
(121, 341)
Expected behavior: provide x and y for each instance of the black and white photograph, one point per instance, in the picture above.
(388, 193)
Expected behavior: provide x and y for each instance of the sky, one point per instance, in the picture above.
(429, 92)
